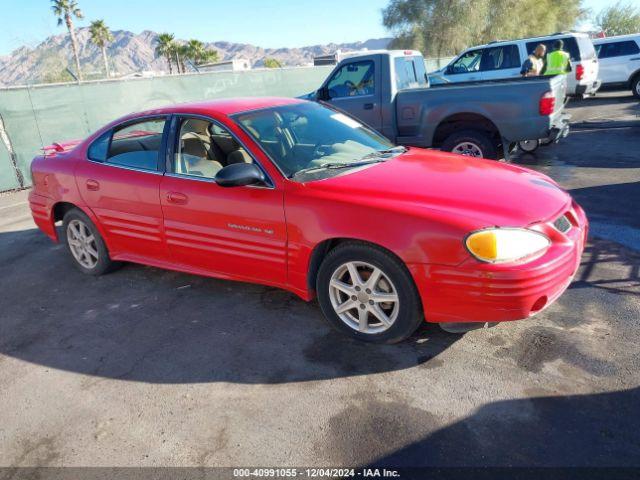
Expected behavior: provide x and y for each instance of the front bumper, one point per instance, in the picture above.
(482, 292)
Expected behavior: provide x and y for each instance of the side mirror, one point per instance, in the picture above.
(239, 175)
(323, 94)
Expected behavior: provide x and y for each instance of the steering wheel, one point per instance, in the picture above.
(318, 150)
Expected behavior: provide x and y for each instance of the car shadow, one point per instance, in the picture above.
(596, 430)
(149, 325)
(619, 150)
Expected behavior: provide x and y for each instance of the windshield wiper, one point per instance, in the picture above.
(386, 153)
(337, 165)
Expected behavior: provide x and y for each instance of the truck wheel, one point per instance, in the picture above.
(367, 293)
(472, 143)
(528, 145)
(635, 86)
(88, 251)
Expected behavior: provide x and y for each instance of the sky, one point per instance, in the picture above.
(275, 23)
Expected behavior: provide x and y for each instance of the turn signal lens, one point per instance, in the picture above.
(500, 245)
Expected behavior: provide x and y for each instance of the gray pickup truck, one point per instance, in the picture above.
(389, 91)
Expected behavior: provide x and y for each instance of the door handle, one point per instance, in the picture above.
(93, 185)
(369, 106)
(177, 198)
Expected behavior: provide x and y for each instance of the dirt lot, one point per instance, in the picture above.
(156, 368)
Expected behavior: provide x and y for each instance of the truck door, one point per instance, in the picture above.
(355, 88)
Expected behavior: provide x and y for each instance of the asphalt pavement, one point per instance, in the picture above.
(145, 367)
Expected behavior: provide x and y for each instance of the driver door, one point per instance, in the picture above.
(355, 88)
(235, 232)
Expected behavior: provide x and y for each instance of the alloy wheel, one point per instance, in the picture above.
(364, 297)
(82, 244)
(468, 149)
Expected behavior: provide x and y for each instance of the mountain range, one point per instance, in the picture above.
(130, 53)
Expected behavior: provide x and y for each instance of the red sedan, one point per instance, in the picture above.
(299, 196)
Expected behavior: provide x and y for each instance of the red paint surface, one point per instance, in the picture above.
(419, 205)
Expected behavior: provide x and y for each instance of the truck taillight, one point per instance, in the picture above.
(579, 71)
(547, 103)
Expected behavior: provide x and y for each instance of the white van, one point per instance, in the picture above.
(504, 59)
(620, 62)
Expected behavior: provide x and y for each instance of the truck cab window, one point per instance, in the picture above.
(352, 80)
(410, 72)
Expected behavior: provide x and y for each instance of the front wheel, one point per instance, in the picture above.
(88, 250)
(635, 86)
(471, 143)
(367, 293)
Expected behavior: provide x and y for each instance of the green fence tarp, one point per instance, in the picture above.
(38, 116)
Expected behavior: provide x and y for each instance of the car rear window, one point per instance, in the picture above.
(578, 48)
(410, 72)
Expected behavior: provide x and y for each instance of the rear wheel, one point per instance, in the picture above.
(472, 143)
(367, 293)
(85, 244)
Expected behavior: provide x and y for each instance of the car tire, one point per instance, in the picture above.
(474, 143)
(393, 282)
(85, 244)
(635, 86)
(529, 146)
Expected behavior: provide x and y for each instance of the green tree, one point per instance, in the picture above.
(445, 27)
(65, 10)
(619, 19)
(198, 53)
(272, 63)
(101, 36)
(164, 48)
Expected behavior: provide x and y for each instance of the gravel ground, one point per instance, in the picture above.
(145, 367)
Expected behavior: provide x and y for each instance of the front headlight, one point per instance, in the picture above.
(500, 245)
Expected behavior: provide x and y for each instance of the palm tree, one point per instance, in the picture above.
(65, 10)
(101, 36)
(165, 48)
(195, 51)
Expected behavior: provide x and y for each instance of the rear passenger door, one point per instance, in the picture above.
(500, 62)
(120, 181)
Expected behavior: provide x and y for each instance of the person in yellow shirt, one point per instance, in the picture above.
(558, 61)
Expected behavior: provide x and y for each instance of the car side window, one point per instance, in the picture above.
(203, 148)
(468, 62)
(617, 49)
(99, 149)
(136, 145)
(352, 80)
(500, 58)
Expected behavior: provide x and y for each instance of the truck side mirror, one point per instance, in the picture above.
(323, 94)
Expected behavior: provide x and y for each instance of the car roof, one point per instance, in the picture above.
(223, 106)
(531, 39)
(616, 38)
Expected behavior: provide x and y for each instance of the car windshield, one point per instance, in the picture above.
(309, 141)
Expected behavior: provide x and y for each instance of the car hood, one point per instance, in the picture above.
(489, 192)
